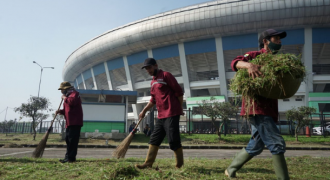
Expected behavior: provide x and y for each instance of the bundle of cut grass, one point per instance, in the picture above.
(282, 76)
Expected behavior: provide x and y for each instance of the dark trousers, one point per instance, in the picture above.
(170, 127)
(72, 140)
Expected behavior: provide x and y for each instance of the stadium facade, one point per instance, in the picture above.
(197, 44)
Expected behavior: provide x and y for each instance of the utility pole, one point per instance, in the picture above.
(6, 113)
(5, 123)
(41, 68)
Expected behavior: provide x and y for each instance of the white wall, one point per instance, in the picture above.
(287, 105)
(98, 112)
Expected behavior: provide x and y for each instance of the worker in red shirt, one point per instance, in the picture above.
(263, 113)
(73, 115)
(167, 95)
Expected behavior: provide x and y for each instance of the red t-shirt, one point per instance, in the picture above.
(165, 91)
(262, 106)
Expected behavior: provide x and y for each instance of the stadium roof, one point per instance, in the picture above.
(206, 20)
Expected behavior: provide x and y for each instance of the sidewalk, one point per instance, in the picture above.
(167, 147)
(102, 153)
(194, 141)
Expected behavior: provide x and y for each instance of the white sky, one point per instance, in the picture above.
(48, 32)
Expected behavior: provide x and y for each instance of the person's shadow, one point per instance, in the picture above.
(256, 170)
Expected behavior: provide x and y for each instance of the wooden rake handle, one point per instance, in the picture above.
(136, 126)
(51, 124)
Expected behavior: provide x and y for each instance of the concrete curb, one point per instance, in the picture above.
(166, 147)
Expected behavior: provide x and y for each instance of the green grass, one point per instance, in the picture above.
(193, 139)
(26, 168)
(234, 138)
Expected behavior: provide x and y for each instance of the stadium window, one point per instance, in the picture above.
(130, 108)
(200, 92)
(141, 94)
(286, 99)
(321, 87)
(321, 68)
(324, 107)
(298, 99)
(184, 105)
(113, 99)
(148, 93)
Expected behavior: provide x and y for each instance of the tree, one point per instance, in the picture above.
(216, 110)
(2, 126)
(8, 125)
(226, 110)
(34, 109)
(302, 117)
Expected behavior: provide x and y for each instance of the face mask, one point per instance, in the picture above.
(155, 72)
(64, 92)
(274, 47)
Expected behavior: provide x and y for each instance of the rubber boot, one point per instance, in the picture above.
(151, 156)
(179, 157)
(281, 169)
(241, 158)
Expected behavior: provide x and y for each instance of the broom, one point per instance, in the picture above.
(121, 149)
(39, 151)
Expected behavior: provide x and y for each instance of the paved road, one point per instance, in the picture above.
(101, 153)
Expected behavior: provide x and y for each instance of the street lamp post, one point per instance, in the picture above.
(42, 68)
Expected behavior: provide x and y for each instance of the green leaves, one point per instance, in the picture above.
(216, 110)
(273, 66)
(33, 109)
(301, 116)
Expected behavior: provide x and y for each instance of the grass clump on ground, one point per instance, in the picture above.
(26, 168)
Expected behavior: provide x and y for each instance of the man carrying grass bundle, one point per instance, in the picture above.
(263, 112)
(167, 94)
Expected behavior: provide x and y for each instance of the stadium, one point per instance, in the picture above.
(197, 44)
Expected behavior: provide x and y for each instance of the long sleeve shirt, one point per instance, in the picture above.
(72, 110)
(165, 91)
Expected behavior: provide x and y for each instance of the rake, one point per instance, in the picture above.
(39, 151)
(122, 148)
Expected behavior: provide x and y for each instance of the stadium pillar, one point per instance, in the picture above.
(108, 75)
(130, 84)
(126, 113)
(150, 55)
(128, 74)
(307, 56)
(94, 82)
(83, 80)
(184, 69)
(77, 83)
(221, 68)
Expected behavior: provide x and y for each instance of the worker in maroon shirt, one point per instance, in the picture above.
(263, 113)
(73, 115)
(167, 95)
